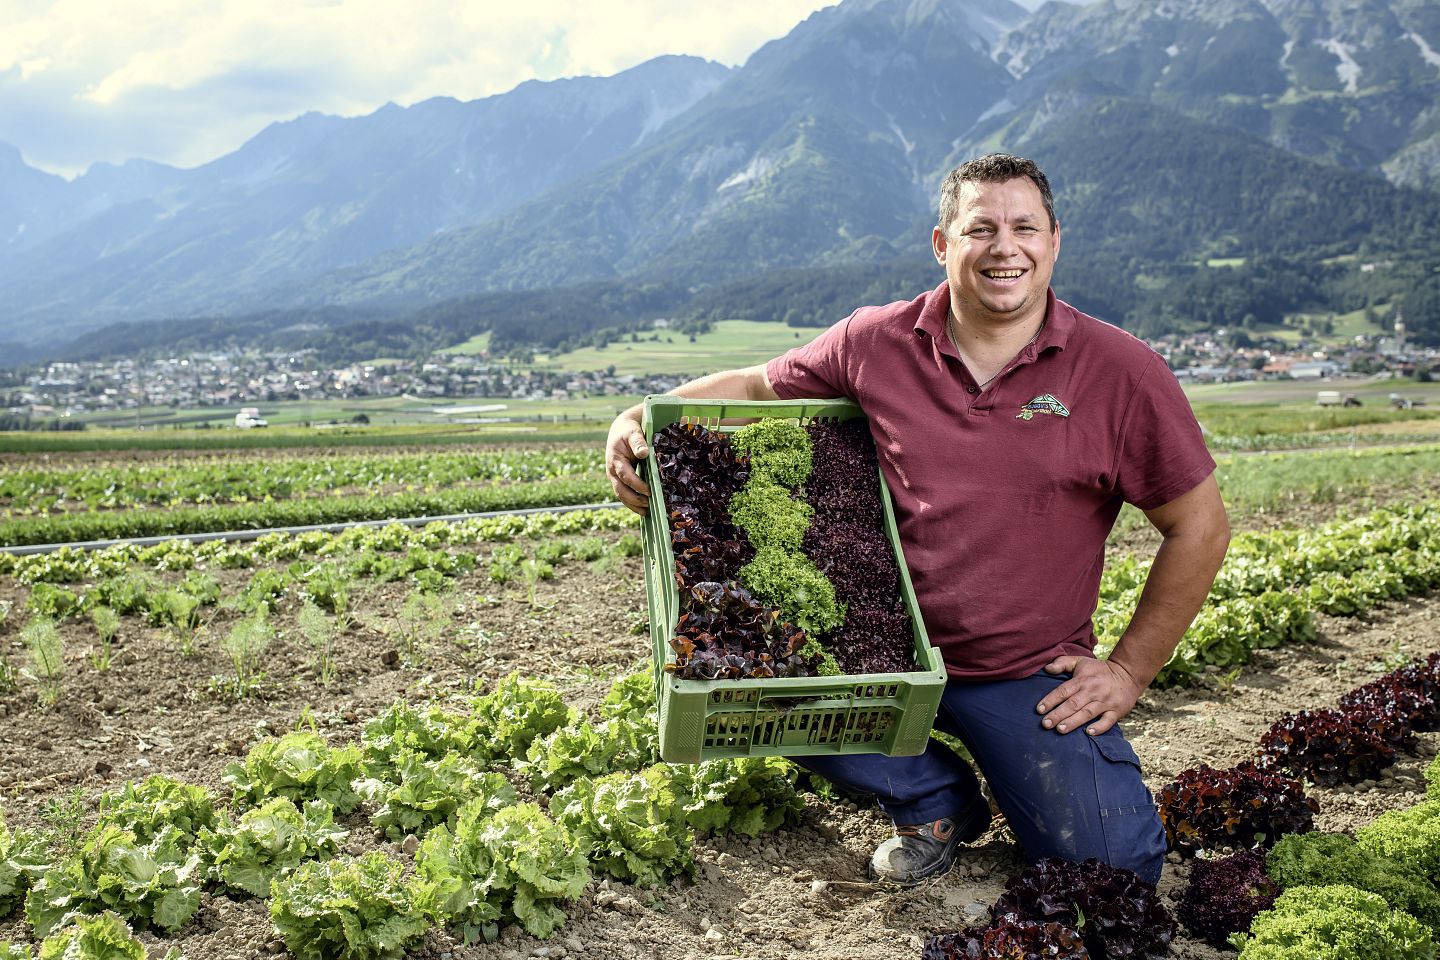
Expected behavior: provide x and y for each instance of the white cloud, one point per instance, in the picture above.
(184, 81)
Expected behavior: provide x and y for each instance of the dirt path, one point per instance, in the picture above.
(800, 893)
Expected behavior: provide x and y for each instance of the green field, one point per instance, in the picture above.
(730, 344)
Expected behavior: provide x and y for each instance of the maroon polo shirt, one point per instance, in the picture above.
(1005, 496)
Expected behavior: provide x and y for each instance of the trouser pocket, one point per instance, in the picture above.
(1129, 819)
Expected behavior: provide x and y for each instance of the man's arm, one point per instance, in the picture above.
(626, 444)
(1099, 692)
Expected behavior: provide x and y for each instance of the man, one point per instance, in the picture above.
(1011, 428)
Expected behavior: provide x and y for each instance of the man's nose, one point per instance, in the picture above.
(1004, 243)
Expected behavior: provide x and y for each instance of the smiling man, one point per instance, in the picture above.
(1011, 428)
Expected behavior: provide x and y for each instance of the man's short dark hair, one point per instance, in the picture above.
(995, 168)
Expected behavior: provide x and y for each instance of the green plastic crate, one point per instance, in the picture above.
(888, 713)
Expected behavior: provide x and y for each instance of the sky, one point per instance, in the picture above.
(185, 81)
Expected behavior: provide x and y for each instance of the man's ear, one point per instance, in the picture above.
(938, 244)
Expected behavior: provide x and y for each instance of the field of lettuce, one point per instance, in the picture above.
(438, 742)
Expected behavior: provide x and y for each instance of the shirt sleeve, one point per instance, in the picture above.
(816, 371)
(1162, 453)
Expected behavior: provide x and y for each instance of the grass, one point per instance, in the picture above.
(730, 344)
(1246, 419)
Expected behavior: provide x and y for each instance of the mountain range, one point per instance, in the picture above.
(1283, 134)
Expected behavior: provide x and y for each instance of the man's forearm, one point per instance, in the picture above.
(1179, 581)
(747, 383)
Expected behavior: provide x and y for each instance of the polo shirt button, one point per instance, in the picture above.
(970, 389)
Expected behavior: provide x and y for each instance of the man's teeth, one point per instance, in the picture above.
(1002, 274)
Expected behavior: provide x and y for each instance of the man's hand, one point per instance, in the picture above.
(624, 448)
(1098, 692)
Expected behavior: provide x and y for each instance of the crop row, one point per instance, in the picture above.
(440, 780)
(1373, 895)
(71, 565)
(82, 527)
(1273, 583)
(255, 478)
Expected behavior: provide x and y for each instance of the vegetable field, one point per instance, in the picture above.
(400, 714)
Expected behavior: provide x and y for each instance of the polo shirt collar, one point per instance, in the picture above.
(1059, 319)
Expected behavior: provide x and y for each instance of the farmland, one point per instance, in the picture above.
(1330, 585)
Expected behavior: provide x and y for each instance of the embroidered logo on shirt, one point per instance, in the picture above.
(1045, 403)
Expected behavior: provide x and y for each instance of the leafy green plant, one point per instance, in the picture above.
(23, 859)
(746, 795)
(1336, 922)
(16, 951)
(107, 624)
(245, 645)
(1410, 836)
(633, 825)
(269, 841)
(52, 602)
(425, 793)
(429, 730)
(319, 632)
(552, 551)
(262, 595)
(424, 618)
(202, 586)
(179, 613)
(45, 650)
(1317, 859)
(628, 545)
(505, 564)
(350, 909)
(532, 571)
(586, 750)
(147, 808)
(328, 586)
(505, 721)
(590, 548)
(155, 882)
(105, 936)
(298, 766)
(512, 865)
(126, 593)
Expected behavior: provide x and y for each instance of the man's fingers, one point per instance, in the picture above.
(1103, 723)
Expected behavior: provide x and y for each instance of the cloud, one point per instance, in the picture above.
(184, 81)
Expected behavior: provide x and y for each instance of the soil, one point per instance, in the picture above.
(799, 893)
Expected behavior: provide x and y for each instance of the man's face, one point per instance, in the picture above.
(999, 252)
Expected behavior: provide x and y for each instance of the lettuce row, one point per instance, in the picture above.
(102, 937)
(632, 826)
(23, 859)
(1272, 583)
(512, 865)
(352, 908)
(299, 766)
(425, 793)
(269, 841)
(156, 882)
(1334, 922)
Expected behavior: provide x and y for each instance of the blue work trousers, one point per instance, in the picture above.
(1064, 795)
